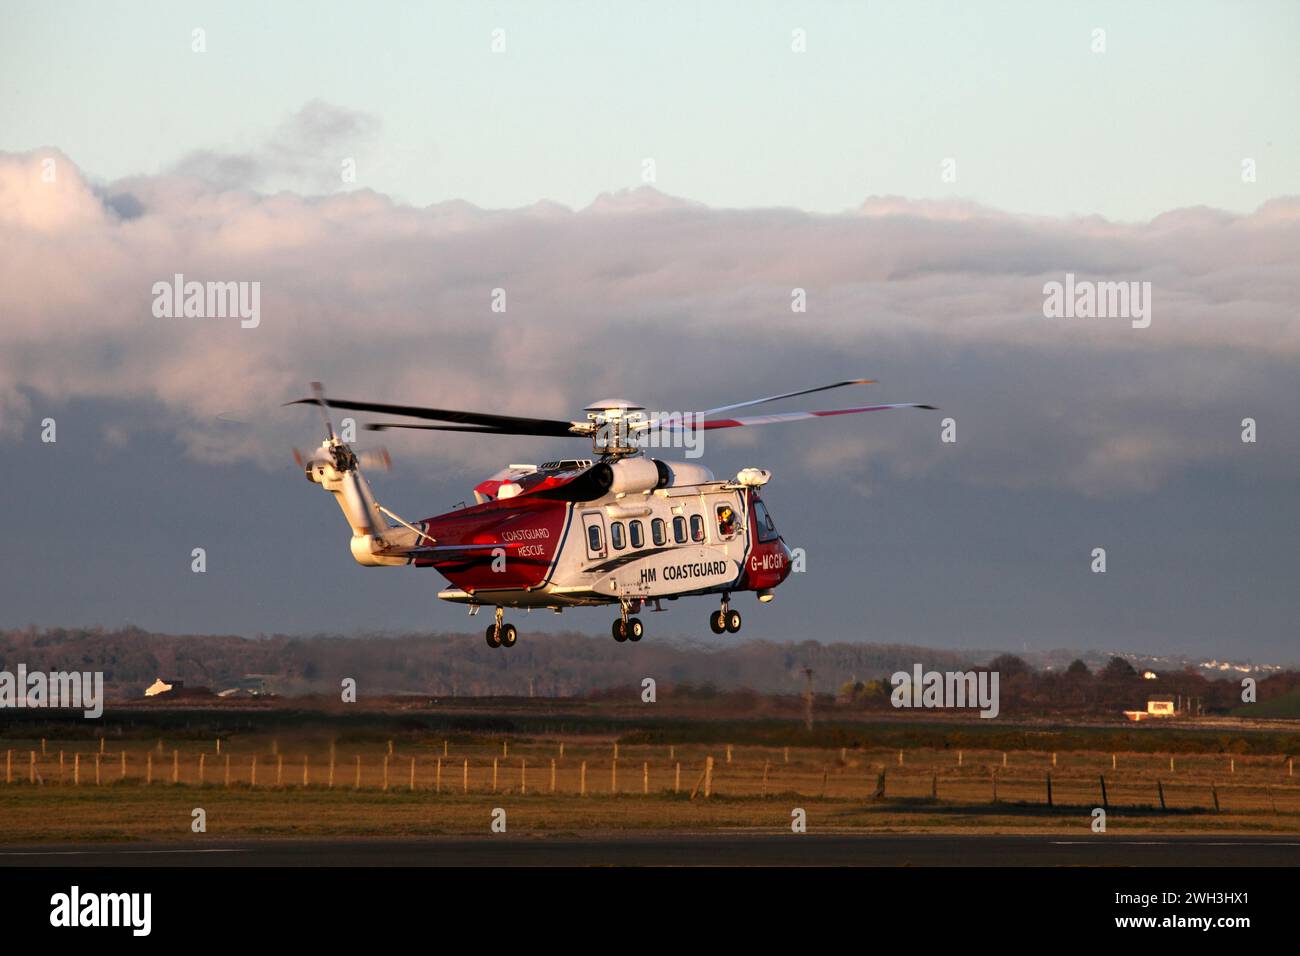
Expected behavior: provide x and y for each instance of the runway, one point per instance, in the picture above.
(740, 848)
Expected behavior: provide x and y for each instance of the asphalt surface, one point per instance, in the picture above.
(740, 848)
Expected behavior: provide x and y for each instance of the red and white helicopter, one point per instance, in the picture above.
(618, 528)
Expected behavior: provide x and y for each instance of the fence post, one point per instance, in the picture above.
(31, 768)
(331, 777)
(552, 775)
(412, 787)
(98, 759)
(879, 793)
(1049, 789)
(582, 780)
(645, 779)
(176, 766)
(613, 776)
(1171, 763)
(729, 752)
(523, 776)
(1214, 792)
(60, 766)
(994, 775)
(616, 750)
(766, 765)
(357, 784)
(494, 774)
(708, 777)
(279, 769)
(437, 777)
(252, 778)
(787, 754)
(900, 757)
(1112, 761)
(1053, 758)
(123, 777)
(386, 771)
(1104, 802)
(227, 780)
(465, 778)
(306, 773)
(202, 760)
(1160, 790)
(76, 769)
(148, 767)
(959, 758)
(677, 778)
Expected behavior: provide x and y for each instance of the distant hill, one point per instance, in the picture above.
(561, 664)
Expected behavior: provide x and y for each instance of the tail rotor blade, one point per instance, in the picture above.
(318, 393)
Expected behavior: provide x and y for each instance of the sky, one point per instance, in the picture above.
(649, 186)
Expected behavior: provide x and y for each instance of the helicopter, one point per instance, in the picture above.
(617, 528)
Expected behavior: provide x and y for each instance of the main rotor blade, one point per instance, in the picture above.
(802, 416)
(656, 423)
(505, 424)
(481, 429)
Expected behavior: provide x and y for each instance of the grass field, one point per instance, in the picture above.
(310, 786)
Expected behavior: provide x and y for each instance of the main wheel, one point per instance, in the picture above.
(620, 633)
(509, 635)
(634, 629)
(733, 621)
(717, 623)
(493, 638)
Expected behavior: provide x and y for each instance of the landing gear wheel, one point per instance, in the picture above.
(493, 638)
(634, 629)
(733, 621)
(717, 623)
(620, 631)
(509, 635)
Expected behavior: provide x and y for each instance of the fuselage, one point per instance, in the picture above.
(709, 537)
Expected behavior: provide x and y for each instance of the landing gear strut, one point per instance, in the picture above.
(627, 628)
(499, 634)
(725, 619)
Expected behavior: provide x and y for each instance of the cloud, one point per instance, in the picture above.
(307, 148)
(651, 298)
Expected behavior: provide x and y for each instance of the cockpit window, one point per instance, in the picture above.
(766, 527)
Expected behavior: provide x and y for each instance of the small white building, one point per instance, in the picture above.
(161, 686)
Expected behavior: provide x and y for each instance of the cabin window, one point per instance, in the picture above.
(766, 526)
(697, 528)
(616, 535)
(593, 539)
(679, 529)
(659, 532)
(727, 523)
(638, 535)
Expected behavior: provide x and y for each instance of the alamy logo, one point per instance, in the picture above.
(74, 908)
(1085, 299)
(77, 690)
(208, 300)
(952, 689)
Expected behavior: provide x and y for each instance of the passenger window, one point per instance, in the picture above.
(697, 528)
(593, 538)
(679, 529)
(727, 523)
(616, 535)
(658, 532)
(638, 536)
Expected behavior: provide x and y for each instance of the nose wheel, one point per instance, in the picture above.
(500, 634)
(725, 619)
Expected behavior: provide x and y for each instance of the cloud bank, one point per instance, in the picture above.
(644, 296)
